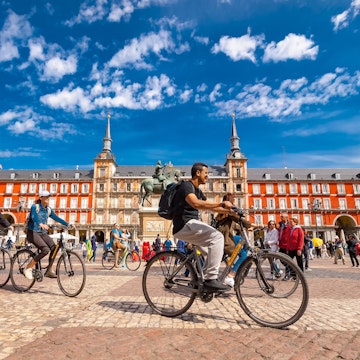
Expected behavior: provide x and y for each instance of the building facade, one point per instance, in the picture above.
(326, 201)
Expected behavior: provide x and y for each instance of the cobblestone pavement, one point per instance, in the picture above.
(110, 318)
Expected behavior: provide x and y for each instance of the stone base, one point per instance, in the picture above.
(152, 224)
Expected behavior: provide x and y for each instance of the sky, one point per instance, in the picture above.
(171, 73)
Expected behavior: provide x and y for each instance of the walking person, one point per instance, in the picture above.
(295, 244)
(187, 226)
(93, 248)
(306, 251)
(271, 242)
(339, 251)
(351, 243)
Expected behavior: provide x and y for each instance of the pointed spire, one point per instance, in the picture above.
(107, 139)
(234, 140)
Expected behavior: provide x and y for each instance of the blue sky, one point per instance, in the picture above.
(171, 73)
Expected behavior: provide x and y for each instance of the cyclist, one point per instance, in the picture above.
(37, 233)
(189, 199)
(117, 242)
(4, 223)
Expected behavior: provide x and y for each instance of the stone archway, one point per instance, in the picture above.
(345, 223)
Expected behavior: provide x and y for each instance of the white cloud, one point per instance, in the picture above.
(68, 100)
(295, 47)
(343, 19)
(36, 47)
(88, 13)
(119, 11)
(202, 40)
(239, 48)
(137, 50)
(215, 93)
(56, 68)
(16, 28)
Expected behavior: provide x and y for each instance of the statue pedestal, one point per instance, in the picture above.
(152, 224)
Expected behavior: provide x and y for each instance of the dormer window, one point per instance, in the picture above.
(12, 176)
(267, 176)
(56, 175)
(290, 176)
(337, 176)
(312, 176)
(35, 175)
(77, 175)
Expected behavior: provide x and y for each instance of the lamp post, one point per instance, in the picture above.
(316, 206)
(20, 208)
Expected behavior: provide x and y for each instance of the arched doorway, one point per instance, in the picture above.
(345, 225)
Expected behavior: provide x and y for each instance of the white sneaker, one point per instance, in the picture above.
(28, 273)
(229, 281)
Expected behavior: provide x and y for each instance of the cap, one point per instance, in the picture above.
(44, 193)
(336, 237)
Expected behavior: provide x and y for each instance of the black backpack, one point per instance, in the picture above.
(167, 207)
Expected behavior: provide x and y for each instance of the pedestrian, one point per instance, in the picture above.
(306, 251)
(295, 244)
(284, 232)
(88, 249)
(93, 248)
(339, 251)
(167, 244)
(157, 243)
(351, 243)
(189, 199)
(84, 250)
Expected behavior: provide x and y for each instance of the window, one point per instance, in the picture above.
(257, 204)
(290, 176)
(238, 187)
(63, 188)
(305, 204)
(53, 188)
(115, 186)
(52, 202)
(100, 218)
(127, 219)
(23, 188)
(7, 202)
(12, 176)
(85, 188)
(101, 187)
(312, 176)
(238, 172)
(62, 203)
(115, 202)
(74, 203)
(281, 189)
(316, 189)
(307, 220)
(269, 188)
(256, 189)
(42, 187)
(56, 175)
(325, 188)
(270, 203)
(356, 188)
(293, 188)
(342, 204)
(224, 186)
(9, 188)
(294, 203)
(32, 188)
(267, 176)
(357, 203)
(101, 172)
(337, 176)
(35, 176)
(100, 203)
(72, 218)
(318, 218)
(77, 175)
(74, 188)
(31, 201)
(128, 202)
(258, 219)
(84, 203)
(113, 219)
(282, 204)
(341, 188)
(128, 186)
(304, 188)
(326, 204)
(83, 219)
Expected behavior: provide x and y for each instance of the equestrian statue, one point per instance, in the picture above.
(163, 176)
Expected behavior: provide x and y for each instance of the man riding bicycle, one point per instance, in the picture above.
(189, 199)
(37, 233)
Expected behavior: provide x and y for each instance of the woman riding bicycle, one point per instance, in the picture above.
(37, 233)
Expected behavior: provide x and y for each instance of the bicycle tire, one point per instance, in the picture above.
(166, 295)
(71, 274)
(108, 259)
(271, 302)
(18, 264)
(132, 260)
(5, 267)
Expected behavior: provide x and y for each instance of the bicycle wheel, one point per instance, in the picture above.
(166, 288)
(18, 264)
(71, 275)
(108, 260)
(132, 260)
(5, 265)
(264, 293)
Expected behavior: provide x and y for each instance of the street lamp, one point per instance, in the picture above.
(316, 206)
(20, 208)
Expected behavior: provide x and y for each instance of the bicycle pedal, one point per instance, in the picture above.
(38, 275)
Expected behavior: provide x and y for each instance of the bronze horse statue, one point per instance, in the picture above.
(153, 185)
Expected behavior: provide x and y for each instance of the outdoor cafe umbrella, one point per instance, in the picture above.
(317, 242)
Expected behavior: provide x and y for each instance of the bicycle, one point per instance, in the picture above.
(261, 288)
(5, 260)
(132, 259)
(70, 269)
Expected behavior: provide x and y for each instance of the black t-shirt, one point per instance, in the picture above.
(184, 211)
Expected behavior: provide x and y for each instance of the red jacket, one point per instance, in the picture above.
(296, 239)
(284, 235)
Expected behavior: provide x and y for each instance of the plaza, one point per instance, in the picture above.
(111, 318)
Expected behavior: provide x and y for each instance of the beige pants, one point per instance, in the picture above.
(339, 251)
